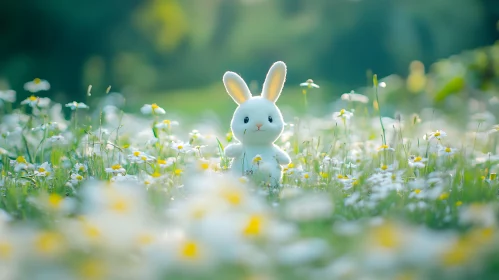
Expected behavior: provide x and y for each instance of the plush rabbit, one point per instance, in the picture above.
(257, 123)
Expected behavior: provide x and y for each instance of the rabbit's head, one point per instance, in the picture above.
(257, 120)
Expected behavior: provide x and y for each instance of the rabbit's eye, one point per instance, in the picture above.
(246, 120)
(270, 119)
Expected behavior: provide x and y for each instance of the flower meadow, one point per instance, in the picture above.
(106, 194)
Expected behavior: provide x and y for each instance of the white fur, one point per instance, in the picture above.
(256, 140)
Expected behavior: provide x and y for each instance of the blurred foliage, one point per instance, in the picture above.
(166, 45)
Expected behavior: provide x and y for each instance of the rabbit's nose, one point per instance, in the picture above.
(259, 125)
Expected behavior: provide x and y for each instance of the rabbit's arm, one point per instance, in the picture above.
(282, 157)
(234, 150)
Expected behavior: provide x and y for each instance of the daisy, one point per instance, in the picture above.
(446, 151)
(437, 134)
(417, 161)
(43, 170)
(166, 124)
(75, 179)
(37, 85)
(154, 109)
(20, 163)
(115, 169)
(354, 97)
(181, 147)
(385, 147)
(56, 138)
(80, 167)
(8, 96)
(75, 105)
(494, 129)
(309, 84)
(342, 114)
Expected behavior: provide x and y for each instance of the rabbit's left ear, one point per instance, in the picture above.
(274, 82)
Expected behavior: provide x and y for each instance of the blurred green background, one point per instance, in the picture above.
(174, 52)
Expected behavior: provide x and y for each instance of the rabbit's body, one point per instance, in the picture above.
(257, 123)
(257, 160)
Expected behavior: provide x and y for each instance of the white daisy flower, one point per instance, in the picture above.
(417, 161)
(310, 84)
(75, 179)
(342, 114)
(34, 101)
(446, 151)
(37, 85)
(7, 96)
(43, 170)
(80, 167)
(166, 124)
(56, 138)
(115, 169)
(437, 134)
(354, 97)
(75, 105)
(154, 109)
(140, 157)
(181, 147)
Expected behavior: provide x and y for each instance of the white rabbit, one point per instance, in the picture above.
(257, 123)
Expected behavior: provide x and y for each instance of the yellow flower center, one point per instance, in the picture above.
(291, 165)
(55, 200)
(254, 226)
(437, 134)
(417, 191)
(458, 254)
(154, 106)
(144, 158)
(342, 112)
(92, 269)
(180, 147)
(418, 159)
(120, 205)
(116, 167)
(205, 165)
(37, 81)
(177, 172)
(324, 175)
(448, 150)
(257, 159)
(156, 174)
(79, 177)
(234, 197)
(168, 122)
(306, 176)
(136, 153)
(145, 239)
(161, 161)
(386, 236)
(47, 242)
(383, 147)
(190, 250)
(444, 196)
(32, 98)
(91, 231)
(21, 159)
(459, 203)
(5, 250)
(384, 167)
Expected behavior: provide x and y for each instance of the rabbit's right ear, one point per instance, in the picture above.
(236, 87)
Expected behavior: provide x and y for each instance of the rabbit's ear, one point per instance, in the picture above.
(274, 81)
(236, 87)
